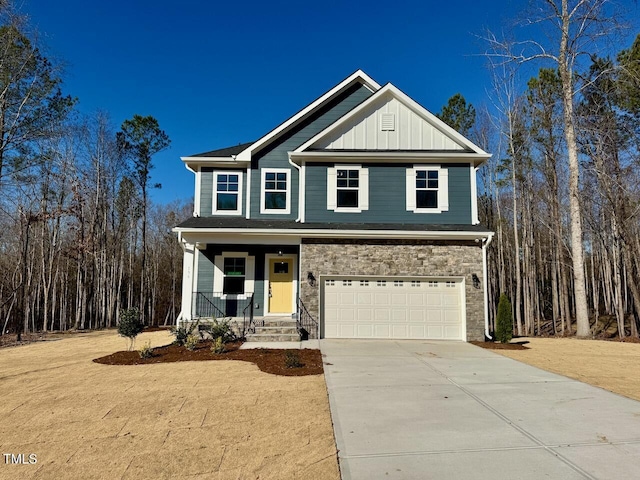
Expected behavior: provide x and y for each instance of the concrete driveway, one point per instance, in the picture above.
(440, 410)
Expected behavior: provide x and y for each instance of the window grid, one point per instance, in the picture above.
(398, 283)
(227, 191)
(451, 284)
(275, 190)
(331, 283)
(415, 283)
(348, 185)
(381, 283)
(364, 283)
(346, 283)
(427, 183)
(433, 284)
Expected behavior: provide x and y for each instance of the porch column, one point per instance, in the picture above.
(187, 282)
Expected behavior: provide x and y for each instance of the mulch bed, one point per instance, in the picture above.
(267, 360)
(502, 346)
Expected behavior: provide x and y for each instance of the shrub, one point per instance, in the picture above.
(217, 346)
(146, 351)
(191, 342)
(182, 333)
(292, 360)
(219, 329)
(130, 325)
(504, 320)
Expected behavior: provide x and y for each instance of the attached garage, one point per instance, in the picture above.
(393, 307)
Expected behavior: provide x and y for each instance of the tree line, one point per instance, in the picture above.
(562, 189)
(80, 239)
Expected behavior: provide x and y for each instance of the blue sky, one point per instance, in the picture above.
(216, 74)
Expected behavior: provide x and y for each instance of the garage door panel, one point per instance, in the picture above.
(392, 308)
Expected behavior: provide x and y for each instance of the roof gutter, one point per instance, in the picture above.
(329, 233)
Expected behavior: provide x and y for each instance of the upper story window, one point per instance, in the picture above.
(427, 189)
(275, 194)
(227, 195)
(347, 188)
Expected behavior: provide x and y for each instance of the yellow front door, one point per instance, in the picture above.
(280, 285)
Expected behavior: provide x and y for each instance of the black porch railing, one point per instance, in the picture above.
(305, 323)
(248, 323)
(219, 305)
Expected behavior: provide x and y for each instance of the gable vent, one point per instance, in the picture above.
(388, 122)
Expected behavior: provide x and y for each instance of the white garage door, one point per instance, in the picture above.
(372, 307)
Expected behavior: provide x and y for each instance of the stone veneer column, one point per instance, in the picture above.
(337, 257)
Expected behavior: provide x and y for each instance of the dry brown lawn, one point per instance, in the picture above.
(614, 366)
(191, 420)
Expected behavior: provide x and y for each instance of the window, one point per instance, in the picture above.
(347, 188)
(427, 189)
(227, 193)
(348, 184)
(275, 193)
(364, 283)
(234, 274)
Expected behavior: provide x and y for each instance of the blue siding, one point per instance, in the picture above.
(387, 197)
(275, 155)
(206, 189)
(206, 259)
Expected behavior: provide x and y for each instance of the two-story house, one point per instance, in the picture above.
(358, 216)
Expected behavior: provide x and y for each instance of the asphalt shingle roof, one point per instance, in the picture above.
(241, 222)
(224, 152)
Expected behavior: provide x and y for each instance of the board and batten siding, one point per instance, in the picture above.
(276, 156)
(387, 196)
(206, 189)
(410, 131)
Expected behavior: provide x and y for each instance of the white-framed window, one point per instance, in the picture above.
(347, 188)
(227, 193)
(275, 190)
(427, 189)
(234, 274)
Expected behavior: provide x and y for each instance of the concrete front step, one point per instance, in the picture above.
(276, 322)
(270, 329)
(273, 337)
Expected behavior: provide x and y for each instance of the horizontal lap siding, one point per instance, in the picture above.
(387, 197)
(276, 156)
(206, 189)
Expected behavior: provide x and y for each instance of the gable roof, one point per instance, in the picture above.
(418, 130)
(357, 77)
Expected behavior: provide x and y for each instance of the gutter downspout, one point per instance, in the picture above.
(485, 276)
(300, 188)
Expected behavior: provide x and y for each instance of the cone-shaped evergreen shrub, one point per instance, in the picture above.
(504, 321)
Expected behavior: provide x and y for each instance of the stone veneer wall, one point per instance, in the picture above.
(395, 257)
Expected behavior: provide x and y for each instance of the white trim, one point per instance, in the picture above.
(196, 199)
(247, 212)
(263, 174)
(332, 189)
(473, 171)
(214, 210)
(188, 272)
(334, 233)
(408, 102)
(358, 76)
(302, 188)
(193, 163)
(485, 279)
(295, 282)
(381, 156)
(443, 189)
(249, 273)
